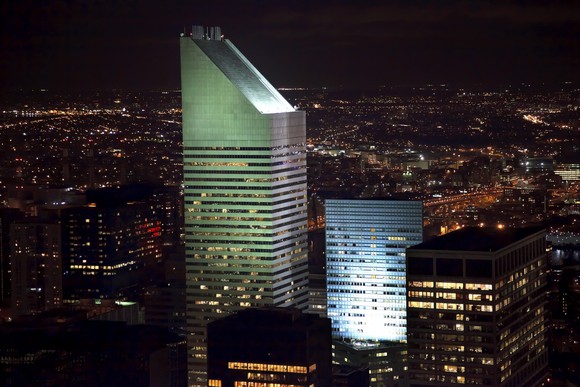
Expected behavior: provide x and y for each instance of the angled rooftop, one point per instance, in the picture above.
(235, 66)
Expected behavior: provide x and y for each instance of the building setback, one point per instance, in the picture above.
(477, 308)
(244, 157)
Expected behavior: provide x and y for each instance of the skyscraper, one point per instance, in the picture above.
(244, 157)
(477, 308)
(365, 255)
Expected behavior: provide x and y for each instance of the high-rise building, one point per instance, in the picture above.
(7, 217)
(477, 308)
(36, 266)
(270, 347)
(112, 250)
(365, 270)
(244, 158)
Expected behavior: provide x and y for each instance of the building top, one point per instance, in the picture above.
(346, 197)
(484, 239)
(239, 70)
(266, 317)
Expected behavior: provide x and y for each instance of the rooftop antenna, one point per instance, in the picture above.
(197, 32)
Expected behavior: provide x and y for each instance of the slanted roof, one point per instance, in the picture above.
(231, 62)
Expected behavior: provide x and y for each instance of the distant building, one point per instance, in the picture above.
(244, 157)
(36, 267)
(530, 200)
(269, 347)
(538, 164)
(568, 171)
(365, 271)
(477, 308)
(29, 198)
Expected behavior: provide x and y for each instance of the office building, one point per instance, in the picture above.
(317, 273)
(477, 308)
(244, 158)
(270, 347)
(365, 259)
(112, 250)
(365, 267)
(36, 275)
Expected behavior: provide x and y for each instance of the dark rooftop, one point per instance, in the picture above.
(477, 239)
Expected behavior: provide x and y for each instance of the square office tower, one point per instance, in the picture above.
(244, 156)
(477, 308)
(365, 256)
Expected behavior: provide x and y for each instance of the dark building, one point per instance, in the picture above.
(269, 346)
(110, 250)
(164, 301)
(528, 200)
(477, 308)
(7, 217)
(36, 267)
(167, 202)
(62, 349)
(347, 376)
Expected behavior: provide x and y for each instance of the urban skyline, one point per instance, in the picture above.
(254, 183)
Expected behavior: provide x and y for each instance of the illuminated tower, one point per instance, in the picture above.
(477, 308)
(365, 272)
(244, 157)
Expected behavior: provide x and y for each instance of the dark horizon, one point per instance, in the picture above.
(73, 45)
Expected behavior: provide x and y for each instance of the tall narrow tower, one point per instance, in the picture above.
(244, 157)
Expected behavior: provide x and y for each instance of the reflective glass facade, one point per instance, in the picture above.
(365, 255)
(245, 191)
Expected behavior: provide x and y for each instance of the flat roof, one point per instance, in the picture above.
(483, 239)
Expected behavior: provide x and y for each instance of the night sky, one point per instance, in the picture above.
(130, 44)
